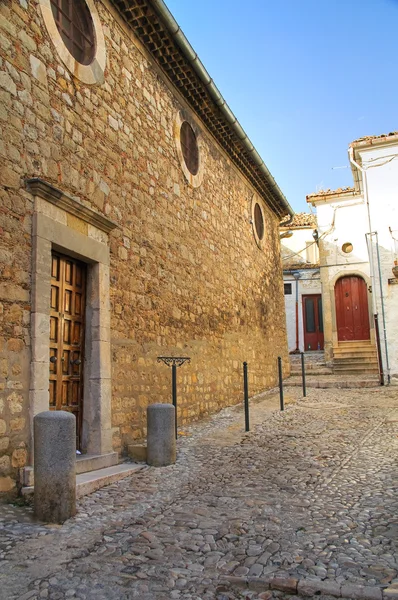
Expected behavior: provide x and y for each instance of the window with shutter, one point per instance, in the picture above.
(75, 25)
(189, 147)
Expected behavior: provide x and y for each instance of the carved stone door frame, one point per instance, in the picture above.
(63, 224)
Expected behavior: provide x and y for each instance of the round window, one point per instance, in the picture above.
(75, 25)
(189, 147)
(259, 221)
(347, 247)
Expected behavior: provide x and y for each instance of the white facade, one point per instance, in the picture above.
(300, 275)
(367, 218)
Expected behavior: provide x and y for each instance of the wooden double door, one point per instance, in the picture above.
(67, 314)
(352, 313)
(313, 322)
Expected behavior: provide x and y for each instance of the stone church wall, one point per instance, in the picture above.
(187, 276)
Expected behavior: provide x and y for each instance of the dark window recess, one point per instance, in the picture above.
(288, 288)
(75, 25)
(320, 315)
(259, 221)
(310, 315)
(189, 147)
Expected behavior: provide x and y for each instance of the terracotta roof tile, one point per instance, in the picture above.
(369, 138)
(301, 220)
(346, 190)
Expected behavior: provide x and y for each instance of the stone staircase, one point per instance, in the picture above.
(355, 358)
(318, 375)
(92, 473)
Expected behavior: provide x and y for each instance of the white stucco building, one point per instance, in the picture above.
(358, 233)
(302, 284)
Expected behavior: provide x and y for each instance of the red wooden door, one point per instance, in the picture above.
(352, 313)
(68, 290)
(313, 322)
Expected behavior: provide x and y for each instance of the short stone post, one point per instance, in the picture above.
(54, 466)
(161, 441)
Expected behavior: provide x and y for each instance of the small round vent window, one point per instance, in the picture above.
(75, 25)
(259, 221)
(189, 147)
(347, 247)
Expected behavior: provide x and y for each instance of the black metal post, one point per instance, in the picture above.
(174, 392)
(378, 345)
(303, 374)
(280, 383)
(174, 362)
(246, 396)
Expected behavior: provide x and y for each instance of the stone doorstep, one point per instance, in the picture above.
(87, 483)
(84, 464)
(311, 587)
(92, 462)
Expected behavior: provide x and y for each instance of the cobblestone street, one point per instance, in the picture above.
(307, 500)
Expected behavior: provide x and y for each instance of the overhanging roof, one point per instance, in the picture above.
(156, 28)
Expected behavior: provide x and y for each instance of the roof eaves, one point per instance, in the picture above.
(161, 35)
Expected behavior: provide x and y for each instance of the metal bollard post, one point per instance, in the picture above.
(280, 383)
(174, 392)
(174, 362)
(303, 374)
(246, 396)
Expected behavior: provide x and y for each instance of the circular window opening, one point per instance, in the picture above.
(347, 247)
(75, 25)
(259, 221)
(189, 147)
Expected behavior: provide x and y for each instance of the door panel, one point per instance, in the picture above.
(68, 283)
(352, 316)
(312, 322)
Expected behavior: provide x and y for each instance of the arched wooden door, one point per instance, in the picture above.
(352, 313)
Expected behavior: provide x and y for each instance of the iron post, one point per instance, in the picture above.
(303, 374)
(246, 396)
(174, 362)
(280, 383)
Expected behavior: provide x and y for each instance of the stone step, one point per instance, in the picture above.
(365, 353)
(356, 372)
(320, 371)
(355, 359)
(87, 483)
(340, 381)
(355, 343)
(354, 365)
(92, 462)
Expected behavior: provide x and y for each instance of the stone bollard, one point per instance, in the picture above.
(161, 437)
(54, 466)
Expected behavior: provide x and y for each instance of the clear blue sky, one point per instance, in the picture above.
(304, 78)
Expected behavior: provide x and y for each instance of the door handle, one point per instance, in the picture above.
(53, 359)
(76, 362)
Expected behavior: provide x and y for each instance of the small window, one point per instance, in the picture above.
(259, 221)
(287, 288)
(189, 147)
(75, 25)
(347, 247)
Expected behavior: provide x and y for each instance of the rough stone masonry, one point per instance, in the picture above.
(186, 275)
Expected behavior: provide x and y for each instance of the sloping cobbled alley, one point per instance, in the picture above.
(306, 501)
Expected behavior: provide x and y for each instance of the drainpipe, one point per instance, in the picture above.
(366, 199)
(217, 98)
(383, 311)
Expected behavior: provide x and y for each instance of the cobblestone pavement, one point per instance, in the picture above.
(309, 494)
